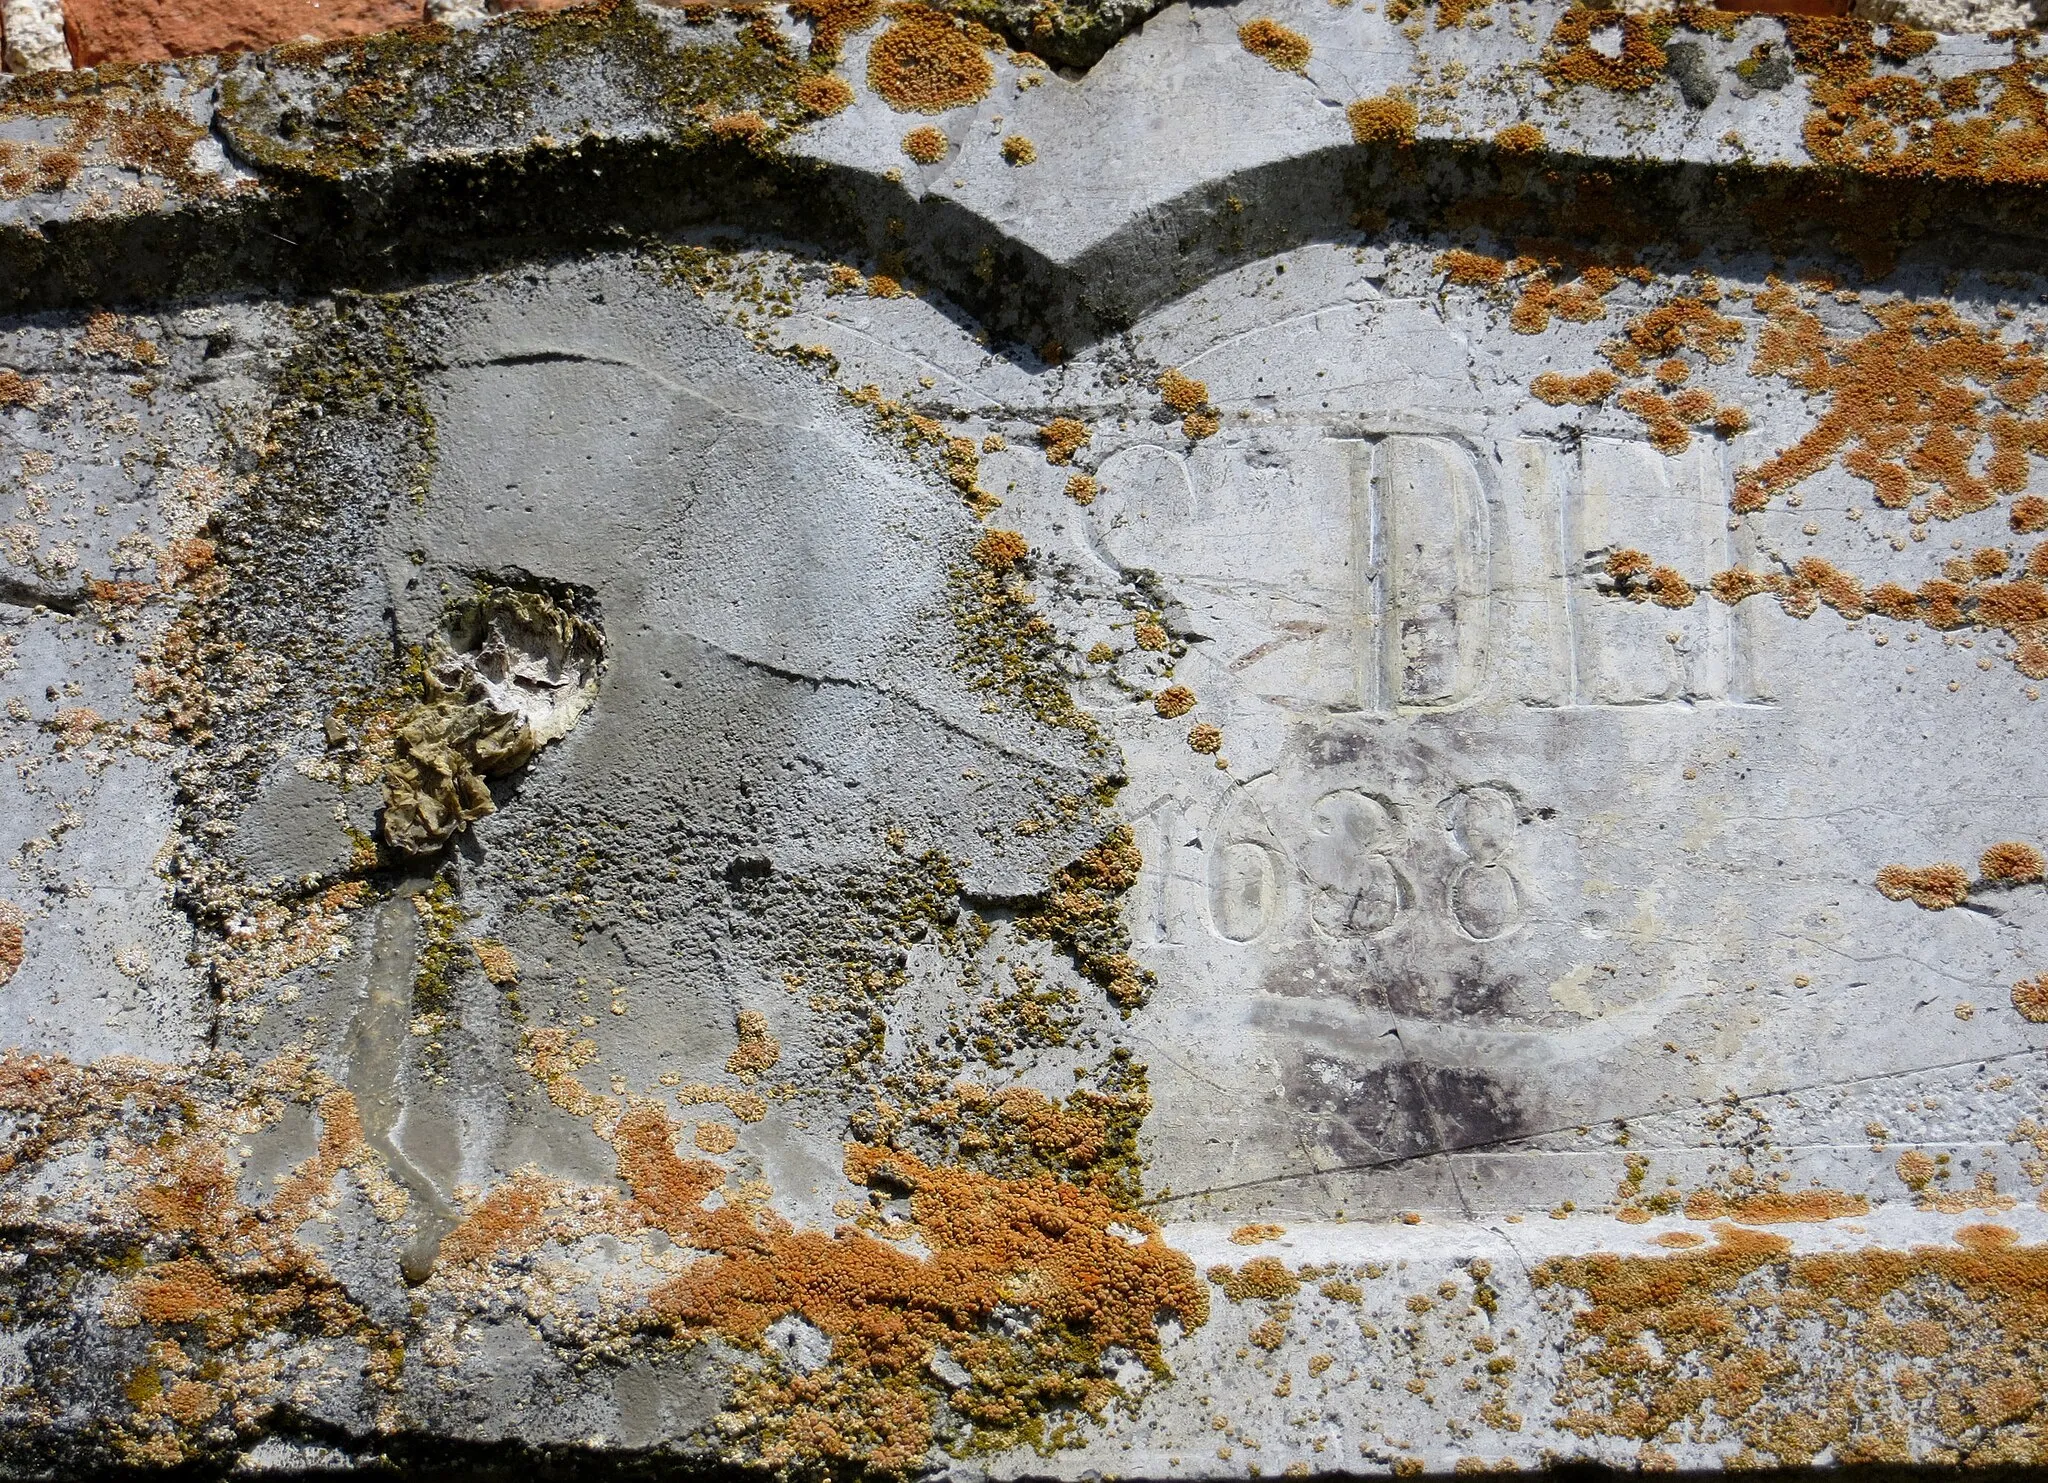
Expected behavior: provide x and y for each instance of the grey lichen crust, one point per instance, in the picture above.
(771, 743)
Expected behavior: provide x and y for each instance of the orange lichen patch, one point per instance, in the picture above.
(1200, 425)
(1063, 438)
(1636, 577)
(1018, 150)
(1473, 269)
(1082, 489)
(1701, 1344)
(190, 1402)
(832, 21)
(926, 63)
(499, 966)
(1679, 1240)
(2030, 998)
(716, 1137)
(183, 1291)
(757, 1050)
(1581, 302)
(1519, 139)
(1000, 550)
(1584, 391)
(1387, 119)
(2029, 514)
(1174, 702)
(1982, 1195)
(1183, 394)
(1205, 739)
(13, 940)
(925, 144)
(1275, 45)
(275, 939)
(1150, 636)
(109, 334)
(2019, 607)
(1263, 1279)
(1255, 1234)
(552, 1057)
(1899, 126)
(513, 1220)
(883, 286)
(1931, 887)
(1573, 59)
(1916, 1169)
(1776, 1207)
(744, 127)
(748, 1107)
(1684, 322)
(1905, 405)
(17, 390)
(1083, 914)
(2011, 860)
(824, 94)
(1060, 1251)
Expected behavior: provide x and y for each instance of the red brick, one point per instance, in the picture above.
(149, 30)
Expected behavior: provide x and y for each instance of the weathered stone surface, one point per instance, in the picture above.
(1319, 758)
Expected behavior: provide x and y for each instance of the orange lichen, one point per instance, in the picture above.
(1200, 425)
(1931, 887)
(1905, 405)
(832, 21)
(1583, 391)
(497, 962)
(13, 940)
(757, 1050)
(17, 390)
(1082, 488)
(1894, 125)
(1573, 59)
(1916, 1169)
(1000, 550)
(2013, 861)
(926, 63)
(2030, 998)
(1205, 738)
(1263, 1279)
(1065, 1252)
(1063, 438)
(1474, 269)
(1274, 44)
(925, 144)
(2029, 514)
(1183, 394)
(1521, 138)
(1256, 1233)
(716, 1137)
(1702, 1344)
(824, 94)
(1775, 1207)
(1150, 636)
(745, 127)
(1174, 702)
(1018, 150)
(1387, 119)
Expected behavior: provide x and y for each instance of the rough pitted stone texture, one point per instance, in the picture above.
(1347, 791)
(146, 30)
(32, 36)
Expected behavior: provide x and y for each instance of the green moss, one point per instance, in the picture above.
(335, 108)
(442, 945)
